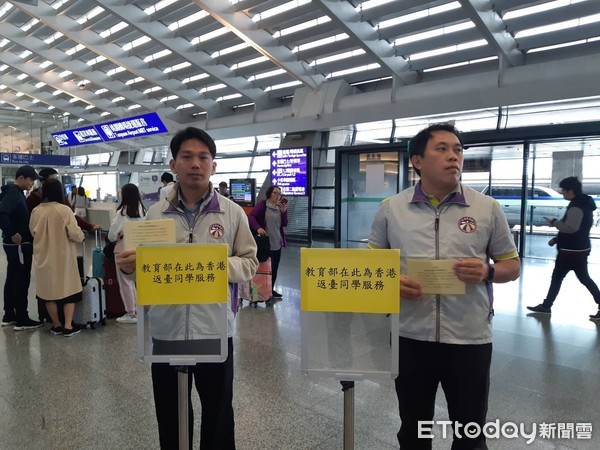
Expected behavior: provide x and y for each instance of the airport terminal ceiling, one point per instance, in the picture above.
(246, 67)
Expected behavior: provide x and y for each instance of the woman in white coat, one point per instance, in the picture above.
(55, 240)
(130, 209)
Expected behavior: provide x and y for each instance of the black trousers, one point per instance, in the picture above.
(463, 371)
(275, 258)
(565, 262)
(18, 276)
(214, 383)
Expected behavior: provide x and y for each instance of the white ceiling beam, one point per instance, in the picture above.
(362, 34)
(263, 42)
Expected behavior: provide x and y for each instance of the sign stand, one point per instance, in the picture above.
(348, 389)
(184, 409)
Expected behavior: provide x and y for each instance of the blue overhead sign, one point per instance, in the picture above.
(31, 159)
(131, 127)
(288, 170)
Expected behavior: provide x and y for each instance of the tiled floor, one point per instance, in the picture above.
(91, 392)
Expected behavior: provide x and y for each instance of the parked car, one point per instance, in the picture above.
(542, 202)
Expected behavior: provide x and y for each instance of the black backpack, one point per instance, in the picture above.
(263, 248)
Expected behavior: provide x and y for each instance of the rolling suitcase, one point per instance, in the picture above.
(92, 309)
(114, 303)
(260, 288)
(97, 258)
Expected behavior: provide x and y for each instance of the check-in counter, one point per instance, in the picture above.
(102, 214)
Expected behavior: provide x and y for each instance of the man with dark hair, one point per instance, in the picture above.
(202, 216)
(445, 338)
(573, 244)
(167, 181)
(17, 242)
(223, 189)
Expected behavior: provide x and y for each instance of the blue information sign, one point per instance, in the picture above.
(78, 136)
(288, 170)
(31, 159)
(137, 126)
(131, 127)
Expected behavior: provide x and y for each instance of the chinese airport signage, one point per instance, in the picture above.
(31, 159)
(288, 170)
(131, 127)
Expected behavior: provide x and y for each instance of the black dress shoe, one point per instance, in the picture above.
(276, 294)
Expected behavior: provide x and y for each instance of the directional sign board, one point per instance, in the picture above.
(288, 170)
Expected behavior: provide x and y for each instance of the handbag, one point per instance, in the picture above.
(109, 249)
(263, 247)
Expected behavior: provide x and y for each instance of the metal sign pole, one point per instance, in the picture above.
(184, 411)
(348, 389)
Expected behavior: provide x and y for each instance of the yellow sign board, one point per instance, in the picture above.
(174, 274)
(350, 280)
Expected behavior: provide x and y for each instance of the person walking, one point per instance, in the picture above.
(56, 237)
(269, 217)
(445, 338)
(573, 245)
(17, 243)
(130, 209)
(82, 202)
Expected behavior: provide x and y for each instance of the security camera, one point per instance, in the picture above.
(81, 85)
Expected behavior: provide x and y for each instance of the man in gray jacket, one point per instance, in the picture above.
(201, 216)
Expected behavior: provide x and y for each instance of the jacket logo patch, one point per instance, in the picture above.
(467, 224)
(216, 230)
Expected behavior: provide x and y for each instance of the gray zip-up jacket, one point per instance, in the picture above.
(220, 221)
(466, 224)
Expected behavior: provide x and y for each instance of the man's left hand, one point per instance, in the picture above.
(470, 270)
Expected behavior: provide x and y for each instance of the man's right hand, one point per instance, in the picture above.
(409, 288)
(17, 239)
(126, 261)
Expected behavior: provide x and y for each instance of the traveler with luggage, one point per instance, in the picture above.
(131, 208)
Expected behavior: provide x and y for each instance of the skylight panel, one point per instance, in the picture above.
(59, 3)
(228, 97)
(185, 106)
(136, 106)
(114, 29)
(433, 33)
(50, 39)
(179, 66)
(563, 45)
(40, 84)
(169, 98)
(158, 6)
(271, 73)
(101, 91)
(88, 107)
(188, 20)
(75, 49)
(4, 42)
(225, 51)
(25, 54)
(302, 26)
(371, 4)
(50, 108)
(320, 42)
(279, 9)
(96, 60)
(459, 64)
(35, 100)
(30, 24)
(214, 87)
(134, 80)
(328, 59)
(73, 99)
(560, 26)
(136, 42)
(22, 76)
(282, 86)
(157, 55)
(210, 35)
(341, 73)
(539, 8)
(195, 78)
(7, 6)
(105, 113)
(115, 71)
(249, 62)
(65, 73)
(418, 15)
(46, 64)
(56, 93)
(3, 67)
(450, 49)
(81, 119)
(19, 94)
(152, 89)
(118, 99)
(90, 15)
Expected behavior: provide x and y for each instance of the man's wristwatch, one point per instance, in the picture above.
(491, 272)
